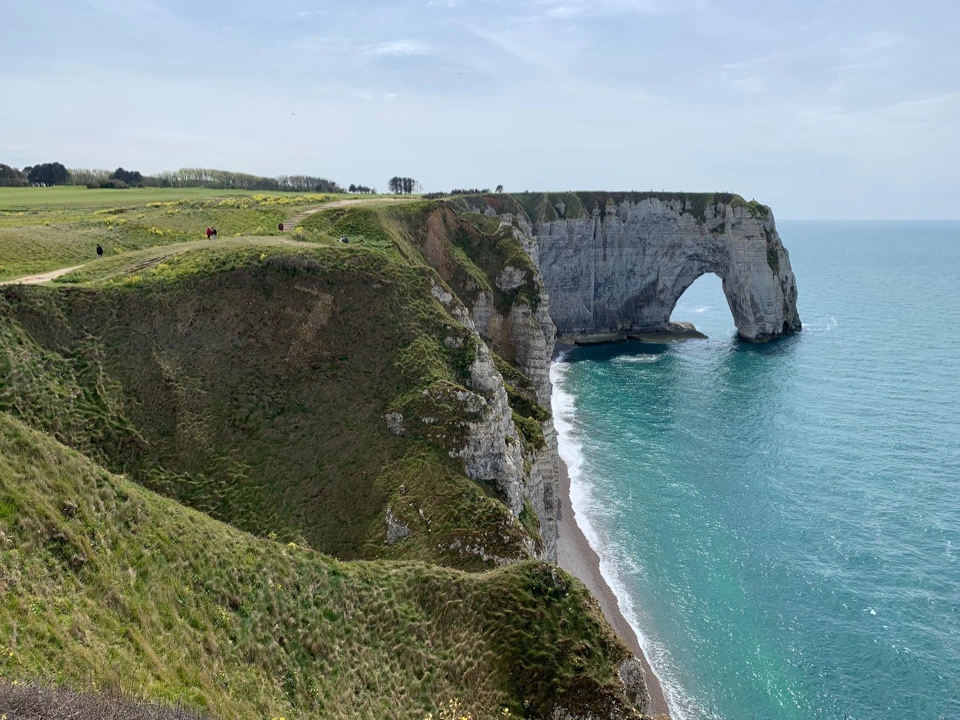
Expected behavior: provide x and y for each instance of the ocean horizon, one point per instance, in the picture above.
(780, 522)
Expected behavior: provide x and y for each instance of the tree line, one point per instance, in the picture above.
(404, 186)
(56, 173)
(44, 174)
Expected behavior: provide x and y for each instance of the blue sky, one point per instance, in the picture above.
(820, 108)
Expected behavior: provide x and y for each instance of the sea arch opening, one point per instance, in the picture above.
(704, 303)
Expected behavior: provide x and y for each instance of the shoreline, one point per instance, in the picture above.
(577, 556)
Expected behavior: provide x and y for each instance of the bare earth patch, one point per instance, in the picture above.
(41, 278)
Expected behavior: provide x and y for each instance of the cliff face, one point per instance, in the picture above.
(615, 265)
(495, 292)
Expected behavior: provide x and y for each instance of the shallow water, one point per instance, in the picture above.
(782, 522)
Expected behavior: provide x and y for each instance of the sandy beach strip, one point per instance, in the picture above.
(575, 555)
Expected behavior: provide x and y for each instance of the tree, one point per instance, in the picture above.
(49, 174)
(11, 177)
(84, 176)
(130, 177)
(403, 185)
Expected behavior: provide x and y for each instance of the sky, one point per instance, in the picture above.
(842, 109)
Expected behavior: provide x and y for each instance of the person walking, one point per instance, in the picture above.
(99, 252)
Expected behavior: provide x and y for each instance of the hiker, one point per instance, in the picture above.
(99, 252)
(280, 227)
(209, 233)
(214, 233)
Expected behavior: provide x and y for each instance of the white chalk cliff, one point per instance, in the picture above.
(614, 265)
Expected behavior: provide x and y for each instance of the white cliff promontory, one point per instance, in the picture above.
(614, 265)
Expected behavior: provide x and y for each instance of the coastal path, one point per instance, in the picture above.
(294, 220)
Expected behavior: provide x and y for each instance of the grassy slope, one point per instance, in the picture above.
(249, 378)
(47, 228)
(107, 585)
(254, 387)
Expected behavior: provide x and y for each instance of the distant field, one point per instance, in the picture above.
(44, 229)
(71, 196)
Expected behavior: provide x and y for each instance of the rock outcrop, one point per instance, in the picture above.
(615, 265)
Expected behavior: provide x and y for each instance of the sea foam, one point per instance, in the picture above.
(570, 448)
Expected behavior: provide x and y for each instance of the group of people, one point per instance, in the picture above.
(211, 233)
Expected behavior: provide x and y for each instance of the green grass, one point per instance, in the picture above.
(254, 387)
(77, 197)
(36, 236)
(250, 379)
(545, 207)
(106, 586)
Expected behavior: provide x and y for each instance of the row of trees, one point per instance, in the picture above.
(404, 186)
(57, 174)
(226, 180)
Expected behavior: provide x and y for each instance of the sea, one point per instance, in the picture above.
(781, 522)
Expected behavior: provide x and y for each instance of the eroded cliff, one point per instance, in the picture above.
(615, 264)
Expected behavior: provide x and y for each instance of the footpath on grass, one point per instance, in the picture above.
(290, 223)
(40, 278)
(288, 226)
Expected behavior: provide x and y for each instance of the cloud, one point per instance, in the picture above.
(569, 9)
(865, 61)
(748, 77)
(148, 12)
(400, 48)
(908, 132)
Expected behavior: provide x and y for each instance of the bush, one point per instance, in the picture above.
(93, 186)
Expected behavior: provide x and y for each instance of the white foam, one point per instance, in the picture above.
(570, 447)
(821, 325)
(641, 358)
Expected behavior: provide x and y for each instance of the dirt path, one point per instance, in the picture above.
(294, 220)
(52, 275)
(41, 278)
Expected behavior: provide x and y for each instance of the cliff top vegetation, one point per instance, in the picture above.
(544, 207)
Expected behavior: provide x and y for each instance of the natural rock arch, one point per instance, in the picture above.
(619, 273)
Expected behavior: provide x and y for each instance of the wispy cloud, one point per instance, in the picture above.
(400, 48)
(748, 77)
(148, 12)
(569, 9)
(865, 61)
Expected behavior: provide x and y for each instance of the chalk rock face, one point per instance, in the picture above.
(492, 451)
(620, 269)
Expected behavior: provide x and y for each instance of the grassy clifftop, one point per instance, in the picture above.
(545, 207)
(106, 585)
(249, 383)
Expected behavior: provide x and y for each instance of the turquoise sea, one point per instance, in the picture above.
(781, 523)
